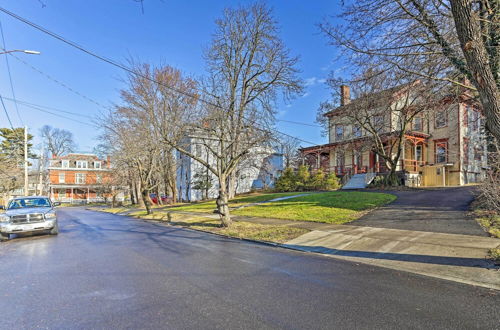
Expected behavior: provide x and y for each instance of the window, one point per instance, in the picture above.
(81, 164)
(65, 163)
(339, 132)
(441, 120)
(418, 124)
(356, 131)
(62, 177)
(378, 122)
(478, 153)
(97, 164)
(418, 153)
(441, 152)
(358, 159)
(80, 178)
(474, 120)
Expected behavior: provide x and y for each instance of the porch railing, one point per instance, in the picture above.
(413, 165)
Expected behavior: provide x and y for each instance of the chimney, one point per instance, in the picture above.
(108, 161)
(345, 95)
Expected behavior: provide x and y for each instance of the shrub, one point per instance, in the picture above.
(304, 181)
(287, 181)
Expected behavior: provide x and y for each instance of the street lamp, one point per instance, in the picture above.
(33, 52)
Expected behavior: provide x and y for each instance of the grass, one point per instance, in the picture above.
(330, 207)
(247, 230)
(210, 206)
(491, 223)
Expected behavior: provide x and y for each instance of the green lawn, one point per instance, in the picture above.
(238, 201)
(331, 207)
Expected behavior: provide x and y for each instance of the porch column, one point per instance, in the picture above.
(318, 160)
(71, 195)
(88, 194)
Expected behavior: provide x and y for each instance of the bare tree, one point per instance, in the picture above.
(248, 65)
(57, 141)
(289, 147)
(441, 40)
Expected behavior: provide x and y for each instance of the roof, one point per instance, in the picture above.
(373, 99)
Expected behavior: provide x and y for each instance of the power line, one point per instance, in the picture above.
(6, 113)
(298, 123)
(10, 76)
(118, 65)
(57, 81)
(29, 104)
(61, 116)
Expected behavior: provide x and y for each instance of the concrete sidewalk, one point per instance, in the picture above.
(460, 258)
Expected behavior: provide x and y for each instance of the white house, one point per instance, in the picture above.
(195, 182)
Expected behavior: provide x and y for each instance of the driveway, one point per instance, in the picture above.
(105, 271)
(433, 210)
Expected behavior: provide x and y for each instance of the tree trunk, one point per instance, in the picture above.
(113, 201)
(147, 201)
(222, 203)
(138, 189)
(232, 185)
(133, 200)
(469, 34)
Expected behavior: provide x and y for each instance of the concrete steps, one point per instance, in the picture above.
(357, 181)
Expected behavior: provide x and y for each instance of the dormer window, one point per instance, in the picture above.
(65, 163)
(97, 165)
(82, 164)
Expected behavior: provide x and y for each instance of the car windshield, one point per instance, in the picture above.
(21, 203)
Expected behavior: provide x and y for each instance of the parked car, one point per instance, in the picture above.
(28, 215)
(164, 199)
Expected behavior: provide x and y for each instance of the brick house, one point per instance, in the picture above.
(77, 178)
(442, 147)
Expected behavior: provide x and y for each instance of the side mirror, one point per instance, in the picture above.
(56, 203)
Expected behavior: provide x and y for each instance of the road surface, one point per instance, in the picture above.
(105, 271)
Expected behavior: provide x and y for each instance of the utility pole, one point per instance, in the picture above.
(41, 165)
(25, 160)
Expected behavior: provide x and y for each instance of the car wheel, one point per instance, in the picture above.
(55, 229)
(4, 236)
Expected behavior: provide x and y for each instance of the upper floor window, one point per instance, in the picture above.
(474, 119)
(339, 132)
(378, 122)
(441, 152)
(80, 178)
(441, 120)
(62, 177)
(65, 163)
(97, 164)
(418, 124)
(478, 153)
(81, 164)
(356, 131)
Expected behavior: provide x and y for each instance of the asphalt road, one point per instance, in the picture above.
(440, 210)
(109, 272)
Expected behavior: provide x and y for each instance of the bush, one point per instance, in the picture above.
(304, 181)
(287, 181)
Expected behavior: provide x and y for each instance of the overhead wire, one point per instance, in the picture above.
(10, 75)
(123, 67)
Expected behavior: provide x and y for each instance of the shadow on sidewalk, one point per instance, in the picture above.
(436, 260)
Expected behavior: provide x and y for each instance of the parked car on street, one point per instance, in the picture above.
(28, 215)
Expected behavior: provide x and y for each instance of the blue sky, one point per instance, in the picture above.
(173, 32)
